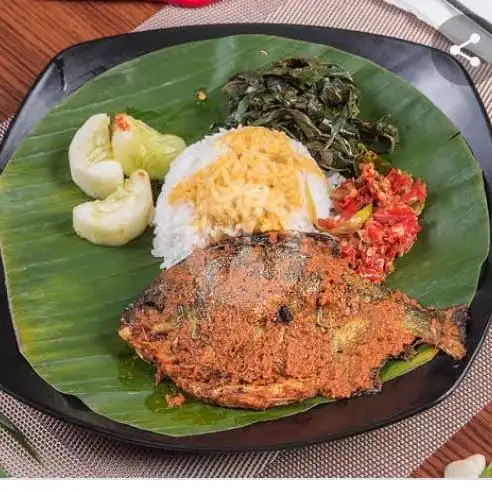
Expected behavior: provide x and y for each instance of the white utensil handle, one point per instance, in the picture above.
(432, 12)
(436, 13)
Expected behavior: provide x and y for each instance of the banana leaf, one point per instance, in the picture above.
(66, 294)
(487, 473)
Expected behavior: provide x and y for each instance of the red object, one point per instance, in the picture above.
(190, 3)
(397, 200)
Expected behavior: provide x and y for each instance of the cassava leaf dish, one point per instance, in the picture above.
(66, 295)
(313, 101)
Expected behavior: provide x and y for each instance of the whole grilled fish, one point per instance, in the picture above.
(270, 319)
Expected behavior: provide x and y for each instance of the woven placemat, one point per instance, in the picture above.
(67, 451)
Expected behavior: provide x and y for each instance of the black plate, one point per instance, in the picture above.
(401, 398)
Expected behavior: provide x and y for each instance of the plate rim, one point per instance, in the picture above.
(176, 445)
(54, 61)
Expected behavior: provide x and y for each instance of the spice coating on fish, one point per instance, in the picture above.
(271, 319)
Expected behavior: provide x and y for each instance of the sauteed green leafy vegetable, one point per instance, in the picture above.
(313, 101)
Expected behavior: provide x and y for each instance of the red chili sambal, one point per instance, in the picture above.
(377, 219)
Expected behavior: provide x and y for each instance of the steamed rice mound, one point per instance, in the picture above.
(246, 180)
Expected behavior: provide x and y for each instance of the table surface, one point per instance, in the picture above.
(33, 31)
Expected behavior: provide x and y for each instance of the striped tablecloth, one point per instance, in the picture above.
(67, 451)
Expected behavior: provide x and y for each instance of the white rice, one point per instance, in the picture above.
(175, 237)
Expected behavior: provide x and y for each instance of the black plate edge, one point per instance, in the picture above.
(206, 450)
(53, 64)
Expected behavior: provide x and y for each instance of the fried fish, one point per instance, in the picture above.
(271, 319)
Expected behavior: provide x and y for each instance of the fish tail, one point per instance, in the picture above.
(453, 331)
(445, 328)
